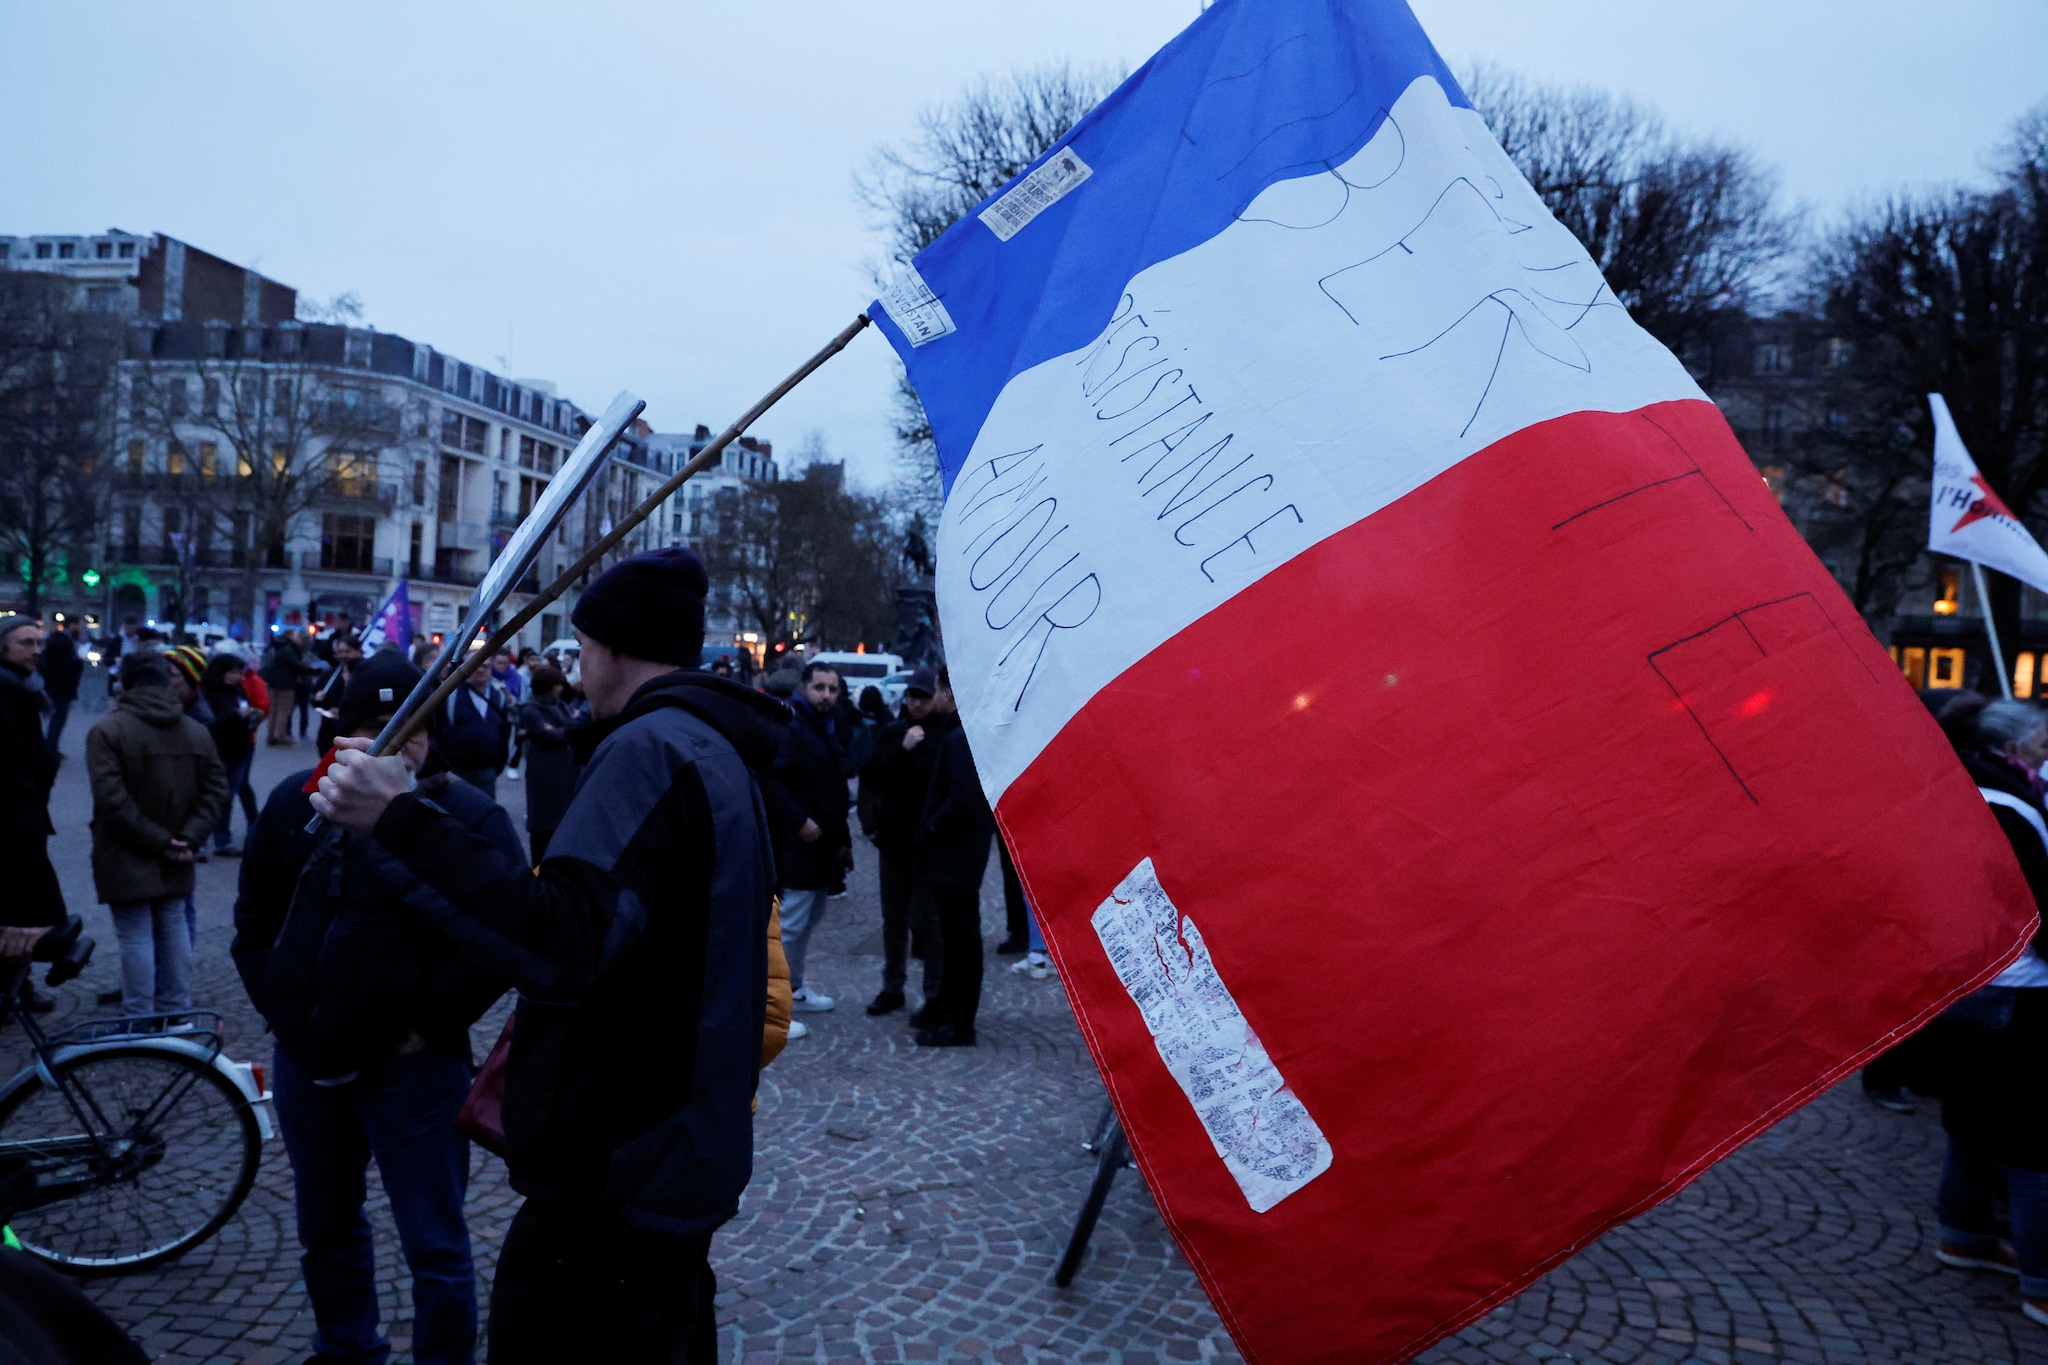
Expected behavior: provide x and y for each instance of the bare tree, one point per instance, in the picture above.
(1684, 231)
(808, 560)
(56, 371)
(1947, 292)
(963, 152)
(253, 446)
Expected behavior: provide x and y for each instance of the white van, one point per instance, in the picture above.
(857, 671)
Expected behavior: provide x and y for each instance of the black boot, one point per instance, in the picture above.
(888, 1002)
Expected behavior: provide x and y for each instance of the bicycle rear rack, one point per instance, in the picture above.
(204, 1029)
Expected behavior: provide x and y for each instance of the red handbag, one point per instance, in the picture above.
(482, 1119)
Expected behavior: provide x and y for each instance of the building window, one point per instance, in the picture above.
(176, 397)
(1944, 668)
(419, 483)
(1948, 588)
(1774, 426)
(209, 460)
(451, 488)
(412, 559)
(131, 533)
(174, 459)
(127, 251)
(1773, 358)
(281, 394)
(135, 457)
(209, 403)
(346, 542)
(67, 251)
(42, 251)
(352, 474)
(464, 433)
(544, 458)
(103, 250)
(2023, 676)
(526, 446)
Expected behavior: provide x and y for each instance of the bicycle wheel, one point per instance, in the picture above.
(167, 1155)
(1115, 1155)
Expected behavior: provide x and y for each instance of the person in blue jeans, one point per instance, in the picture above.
(371, 1008)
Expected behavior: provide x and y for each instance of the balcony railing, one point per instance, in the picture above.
(463, 578)
(373, 568)
(351, 491)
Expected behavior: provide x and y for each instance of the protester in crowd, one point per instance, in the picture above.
(952, 853)
(505, 672)
(893, 789)
(472, 731)
(551, 764)
(312, 672)
(371, 1008)
(282, 665)
(347, 653)
(1016, 915)
(811, 772)
(62, 667)
(233, 731)
(27, 768)
(640, 952)
(158, 789)
(1995, 1042)
(188, 672)
(257, 693)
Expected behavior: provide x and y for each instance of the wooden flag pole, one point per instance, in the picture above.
(647, 508)
(1991, 630)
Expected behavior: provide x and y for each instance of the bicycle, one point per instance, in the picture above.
(141, 1138)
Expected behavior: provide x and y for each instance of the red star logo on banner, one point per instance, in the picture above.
(1988, 505)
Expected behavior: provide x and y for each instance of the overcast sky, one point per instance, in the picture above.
(658, 195)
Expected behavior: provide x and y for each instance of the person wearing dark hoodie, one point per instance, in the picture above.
(158, 789)
(1994, 1107)
(371, 1008)
(640, 950)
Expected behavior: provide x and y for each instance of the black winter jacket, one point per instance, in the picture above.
(953, 839)
(810, 764)
(331, 954)
(899, 781)
(640, 950)
(551, 766)
(1987, 769)
(466, 739)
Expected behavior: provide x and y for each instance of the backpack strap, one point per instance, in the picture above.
(2011, 802)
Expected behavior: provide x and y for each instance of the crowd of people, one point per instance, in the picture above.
(686, 831)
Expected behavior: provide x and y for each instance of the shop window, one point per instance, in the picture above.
(1912, 662)
(1944, 668)
(2023, 676)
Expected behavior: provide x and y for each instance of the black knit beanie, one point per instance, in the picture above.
(377, 687)
(648, 607)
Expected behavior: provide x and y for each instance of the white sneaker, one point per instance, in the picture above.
(1037, 966)
(512, 773)
(797, 1029)
(807, 1001)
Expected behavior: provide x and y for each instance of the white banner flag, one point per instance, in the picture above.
(1966, 519)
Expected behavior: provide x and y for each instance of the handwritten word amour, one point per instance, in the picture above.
(1208, 494)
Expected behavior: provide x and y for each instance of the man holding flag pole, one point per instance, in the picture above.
(1967, 519)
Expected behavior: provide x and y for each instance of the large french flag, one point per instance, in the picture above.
(1461, 807)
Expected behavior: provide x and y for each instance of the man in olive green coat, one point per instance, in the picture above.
(158, 789)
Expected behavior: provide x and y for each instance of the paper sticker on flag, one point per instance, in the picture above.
(1324, 543)
(1970, 521)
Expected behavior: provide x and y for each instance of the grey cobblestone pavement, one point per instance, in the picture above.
(910, 1206)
